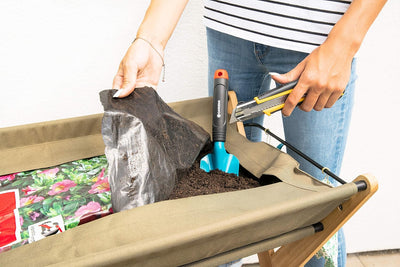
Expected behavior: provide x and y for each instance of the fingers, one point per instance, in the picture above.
(292, 75)
(333, 98)
(318, 103)
(318, 85)
(318, 96)
(130, 73)
(325, 100)
(141, 66)
(125, 80)
(294, 98)
(322, 92)
(118, 79)
(297, 93)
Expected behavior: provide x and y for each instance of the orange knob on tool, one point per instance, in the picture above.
(221, 73)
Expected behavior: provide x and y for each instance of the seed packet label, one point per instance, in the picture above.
(10, 230)
(9, 201)
(45, 228)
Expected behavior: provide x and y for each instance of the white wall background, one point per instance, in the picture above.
(55, 57)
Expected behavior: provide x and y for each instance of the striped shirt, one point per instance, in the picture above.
(300, 25)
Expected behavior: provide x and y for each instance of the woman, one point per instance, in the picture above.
(311, 41)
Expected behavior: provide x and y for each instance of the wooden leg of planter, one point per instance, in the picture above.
(265, 258)
(232, 103)
(300, 252)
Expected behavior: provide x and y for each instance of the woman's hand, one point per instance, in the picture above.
(142, 63)
(322, 75)
(141, 66)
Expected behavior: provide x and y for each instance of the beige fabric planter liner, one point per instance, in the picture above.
(204, 230)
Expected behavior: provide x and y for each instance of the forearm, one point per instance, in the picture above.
(160, 21)
(324, 74)
(350, 30)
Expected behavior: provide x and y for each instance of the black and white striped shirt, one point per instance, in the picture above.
(299, 25)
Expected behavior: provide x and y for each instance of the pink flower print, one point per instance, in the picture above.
(29, 190)
(60, 187)
(9, 177)
(50, 172)
(91, 207)
(101, 176)
(33, 215)
(101, 186)
(21, 220)
(30, 200)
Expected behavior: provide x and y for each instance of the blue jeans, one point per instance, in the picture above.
(319, 134)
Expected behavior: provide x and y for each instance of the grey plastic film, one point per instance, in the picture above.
(146, 143)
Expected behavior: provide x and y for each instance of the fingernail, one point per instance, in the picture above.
(285, 116)
(118, 93)
(274, 74)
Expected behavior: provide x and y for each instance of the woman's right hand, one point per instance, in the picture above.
(141, 66)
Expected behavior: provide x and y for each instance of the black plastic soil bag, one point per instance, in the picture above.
(146, 143)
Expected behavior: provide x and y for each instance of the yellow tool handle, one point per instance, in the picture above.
(258, 101)
(269, 111)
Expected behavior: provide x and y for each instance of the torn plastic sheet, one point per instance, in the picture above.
(146, 143)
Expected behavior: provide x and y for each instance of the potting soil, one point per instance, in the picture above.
(195, 181)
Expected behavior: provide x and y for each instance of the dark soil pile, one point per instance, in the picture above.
(195, 181)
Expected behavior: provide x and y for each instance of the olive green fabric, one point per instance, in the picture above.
(178, 232)
(204, 230)
(45, 144)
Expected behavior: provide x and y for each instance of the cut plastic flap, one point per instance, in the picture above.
(146, 142)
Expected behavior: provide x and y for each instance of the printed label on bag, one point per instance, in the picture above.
(46, 228)
(10, 229)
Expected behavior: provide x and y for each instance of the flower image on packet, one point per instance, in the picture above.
(146, 143)
(55, 199)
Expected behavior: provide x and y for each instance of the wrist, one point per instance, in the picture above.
(155, 49)
(344, 42)
(156, 42)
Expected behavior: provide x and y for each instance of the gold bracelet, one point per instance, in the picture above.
(162, 59)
